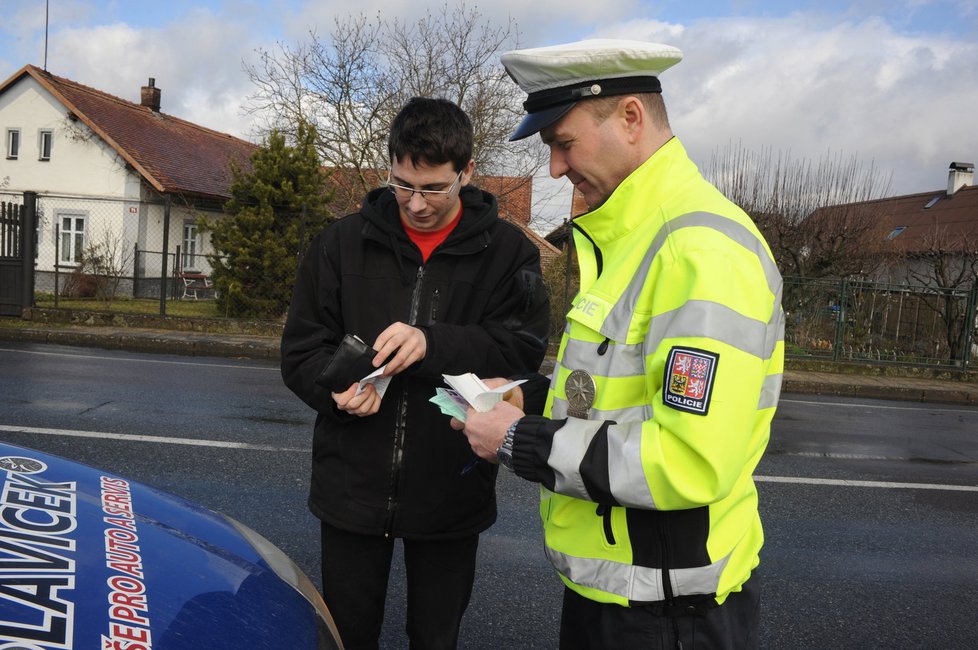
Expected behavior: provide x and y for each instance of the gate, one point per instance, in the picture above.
(17, 255)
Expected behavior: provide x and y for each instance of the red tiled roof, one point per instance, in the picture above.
(952, 219)
(171, 154)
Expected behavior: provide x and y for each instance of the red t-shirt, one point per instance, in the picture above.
(428, 240)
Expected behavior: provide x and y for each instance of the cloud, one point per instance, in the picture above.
(806, 85)
(196, 62)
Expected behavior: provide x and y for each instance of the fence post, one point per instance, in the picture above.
(27, 249)
(164, 276)
(841, 319)
(57, 262)
(135, 270)
(970, 326)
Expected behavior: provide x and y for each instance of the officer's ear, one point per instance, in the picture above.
(633, 117)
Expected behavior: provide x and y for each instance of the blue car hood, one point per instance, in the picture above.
(91, 560)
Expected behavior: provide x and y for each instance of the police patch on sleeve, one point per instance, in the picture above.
(688, 383)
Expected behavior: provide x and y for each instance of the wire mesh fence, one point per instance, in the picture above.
(118, 252)
(151, 255)
(868, 321)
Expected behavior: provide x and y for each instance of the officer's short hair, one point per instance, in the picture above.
(602, 107)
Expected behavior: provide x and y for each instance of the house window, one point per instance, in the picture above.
(45, 137)
(72, 238)
(895, 232)
(13, 143)
(191, 246)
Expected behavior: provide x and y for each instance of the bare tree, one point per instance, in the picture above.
(949, 264)
(351, 83)
(105, 262)
(809, 213)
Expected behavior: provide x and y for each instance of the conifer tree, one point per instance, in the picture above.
(277, 206)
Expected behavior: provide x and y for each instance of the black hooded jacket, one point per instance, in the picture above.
(482, 305)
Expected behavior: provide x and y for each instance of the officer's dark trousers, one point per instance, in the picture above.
(586, 624)
(439, 583)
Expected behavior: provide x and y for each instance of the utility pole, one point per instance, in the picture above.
(46, 5)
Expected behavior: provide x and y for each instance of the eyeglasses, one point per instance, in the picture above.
(404, 193)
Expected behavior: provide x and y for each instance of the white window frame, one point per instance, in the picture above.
(75, 238)
(13, 144)
(45, 142)
(192, 243)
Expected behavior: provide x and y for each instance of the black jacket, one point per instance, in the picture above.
(481, 302)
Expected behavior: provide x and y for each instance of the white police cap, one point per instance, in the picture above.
(558, 76)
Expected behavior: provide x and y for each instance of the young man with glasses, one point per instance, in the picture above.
(428, 273)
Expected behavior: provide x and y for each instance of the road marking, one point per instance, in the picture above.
(223, 444)
(134, 360)
(871, 484)
(928, 407)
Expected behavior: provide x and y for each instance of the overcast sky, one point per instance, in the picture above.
(893, 83)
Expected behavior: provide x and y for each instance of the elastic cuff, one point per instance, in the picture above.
(531, 444)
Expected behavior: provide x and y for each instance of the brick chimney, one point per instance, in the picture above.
(150, 96)
(959, 175)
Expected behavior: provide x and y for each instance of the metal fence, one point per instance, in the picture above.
(848, 320)
(154, 251)
(884, 323)
(116, 249)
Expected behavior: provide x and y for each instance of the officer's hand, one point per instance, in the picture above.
(409, 342)
(485, 431)
(362, 405)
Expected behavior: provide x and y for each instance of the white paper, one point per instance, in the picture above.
(474, 391)
(380, 383)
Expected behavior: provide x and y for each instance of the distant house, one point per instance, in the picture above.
(917, 227)
(912, 225)
(104, 167)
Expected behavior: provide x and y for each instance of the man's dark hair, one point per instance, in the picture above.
(432, 131)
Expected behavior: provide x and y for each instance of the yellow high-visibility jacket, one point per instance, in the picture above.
(679, 323)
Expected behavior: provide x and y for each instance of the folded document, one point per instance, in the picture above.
(468, 390)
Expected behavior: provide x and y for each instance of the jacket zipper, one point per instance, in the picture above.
(433, 313)
(397, 455)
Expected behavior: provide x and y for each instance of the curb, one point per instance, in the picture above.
(239, 346)
(187, 344)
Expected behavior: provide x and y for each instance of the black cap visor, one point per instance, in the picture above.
(536, 122)
(547, 106)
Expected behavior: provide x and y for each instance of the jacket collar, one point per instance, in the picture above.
(646, 187)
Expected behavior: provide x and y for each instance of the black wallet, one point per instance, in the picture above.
(350, 363)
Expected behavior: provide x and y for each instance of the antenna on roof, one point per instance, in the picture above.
(46, 4)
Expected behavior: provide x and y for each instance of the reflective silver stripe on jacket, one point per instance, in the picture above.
(566, 452)
(619, 360)
(558, 410)
(636, 583)
(616, 324)
(770, 391)
(704, 319)
(626, 473)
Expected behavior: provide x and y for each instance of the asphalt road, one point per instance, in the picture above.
(870, 507)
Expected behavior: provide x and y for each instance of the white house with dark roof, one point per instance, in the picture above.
(104, 168)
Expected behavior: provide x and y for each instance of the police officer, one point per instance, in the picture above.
(668, 375)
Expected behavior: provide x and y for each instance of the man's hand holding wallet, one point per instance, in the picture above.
(352, 361)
